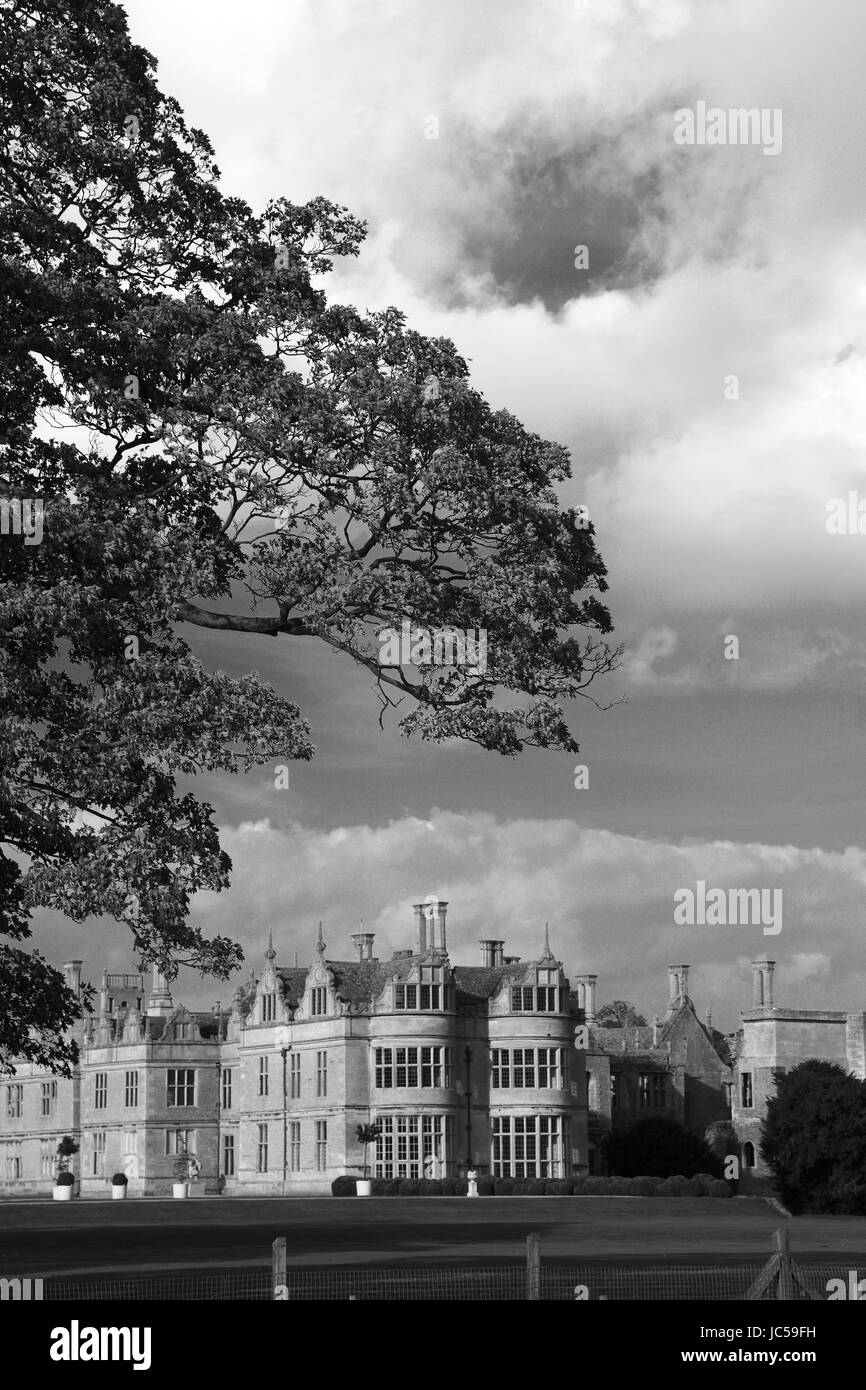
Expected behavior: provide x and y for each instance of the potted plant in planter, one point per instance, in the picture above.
(118, 1186)
(366, 1135)
(64, 1182)
(180, 1173)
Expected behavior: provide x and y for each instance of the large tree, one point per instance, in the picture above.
(813, 1138)
(214, 444)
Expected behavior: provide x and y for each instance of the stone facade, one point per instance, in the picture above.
(775, 1038)
(463, 1066)
(673, 1067)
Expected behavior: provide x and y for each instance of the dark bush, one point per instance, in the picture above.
(619, 1187)
(449, 1187)
(675, 1186)
(536, 1187)
(385, 1187)
(559, 1187)
(344, 1187)
(814, 1139)
(461, 1187)
(485, 1187)
(65, 1179)
(408, 1187)
(119, 1180)
(503, 1187)
(660, 1147)
(720, 1188)
(645, 1186)
(594, 1186)
(430, 1187)
(578, 1187)
(701, 1184)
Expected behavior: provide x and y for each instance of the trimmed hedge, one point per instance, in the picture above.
(701, 1185)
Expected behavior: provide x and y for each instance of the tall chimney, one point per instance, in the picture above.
(72, 975)
(420, 928)
(441, 909)
(159, 1003)
(684, 980)
(363, 945)
(673, 984)
(762, 983)
(491, 952)
(586, 996)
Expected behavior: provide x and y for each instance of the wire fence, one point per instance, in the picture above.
(780, 1277)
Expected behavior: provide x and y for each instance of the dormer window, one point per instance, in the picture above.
(269, 1008)
(430, 995)
(318, 1001)
(405, 997)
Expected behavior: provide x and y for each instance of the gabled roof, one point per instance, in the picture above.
(478, 982)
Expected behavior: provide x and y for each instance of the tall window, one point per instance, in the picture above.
(295, 1075)
(181, 1086)
(262, 1149)
(178, 1140)
(47, 1157)
(547, 992)
(407, 1066)
(500, 1062)
(226, 1088)
(295, 1146)
(431, 988)
(49, 1097)
(615, 1090)
(263, 1076)
(384, 1068)
(746, 1090)
(130, 1090)
(318, 1001)
(269, 1008)
(435, 1066)
(549, 1073)
(414, 1146)
(528, 1146)
(100, 1090)
(14, 1101)
(321, 1073)
(12, 1161)
(659, 1091)
(321, 1145)
(97, 1153)
(524, 1067)
(228, 1165)
(405, 997)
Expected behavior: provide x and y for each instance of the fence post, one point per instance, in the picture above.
(278, 1266)
(533, 1267)
(783, 1251)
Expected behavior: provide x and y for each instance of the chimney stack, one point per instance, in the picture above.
(159, 1003)
(491, 952)
(441, 908)
(678, 984)
(420, 928)
(762, 983)
(363, 944)
(72, 975)
(586, 996)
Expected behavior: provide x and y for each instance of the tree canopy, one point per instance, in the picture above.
(214, 444)
(813, 1138)
(619, 1013)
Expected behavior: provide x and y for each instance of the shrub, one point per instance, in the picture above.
(430, 1187)
(461, 1187)
(619, 1187)
(448, 1187)
(559, 1187)
(385, 1187)
(676, 1186)
(594, 1186)
(814, 1139)
(645, 1186)
(661, 1147)
(344, 1187)
(64, 1179)
(503, 1187)
(578, 1187)
(720, 1188)
(485, 1187)
(119, 1180)
(408, 1187)
(536, 1187)
(705, 1180)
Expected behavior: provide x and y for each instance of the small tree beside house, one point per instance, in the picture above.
(366, 1135)
(64, 1182)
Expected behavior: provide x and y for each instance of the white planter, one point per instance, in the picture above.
(118, 1192)
(62, 1194)
(179, 1189)
(364, 1186)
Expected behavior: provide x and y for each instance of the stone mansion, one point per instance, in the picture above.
(499, 1067)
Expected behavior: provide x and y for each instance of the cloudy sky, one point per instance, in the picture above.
(706, 373)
